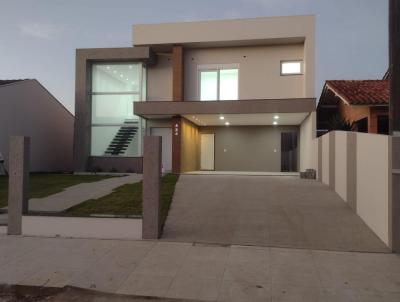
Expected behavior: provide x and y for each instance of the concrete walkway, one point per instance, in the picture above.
(280, 211)
(200, 272)
(77, 194)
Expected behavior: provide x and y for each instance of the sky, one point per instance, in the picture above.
(39, 37)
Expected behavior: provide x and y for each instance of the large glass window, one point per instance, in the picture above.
(116, 131)
(209, 85)
(219, 84)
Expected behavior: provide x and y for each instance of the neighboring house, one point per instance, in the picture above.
(366, 103)
(27, 108)
(229, 95)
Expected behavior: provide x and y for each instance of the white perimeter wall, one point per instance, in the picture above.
(82, 227)
(307, 143)
(341, 164)
(373, 182)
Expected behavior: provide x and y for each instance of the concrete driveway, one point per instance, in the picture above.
(280, 211)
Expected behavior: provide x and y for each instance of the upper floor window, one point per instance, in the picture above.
(218, 83)
(292, 67)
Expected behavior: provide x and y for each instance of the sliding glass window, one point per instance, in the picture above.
(219, 84)
(116, 131)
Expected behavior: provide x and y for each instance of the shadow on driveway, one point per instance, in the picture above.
(69, 294)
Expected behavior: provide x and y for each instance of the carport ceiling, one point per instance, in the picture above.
(259, 119)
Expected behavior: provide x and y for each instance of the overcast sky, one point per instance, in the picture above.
(39, 37)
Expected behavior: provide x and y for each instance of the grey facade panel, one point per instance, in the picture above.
(248, 148)
(84, 59)
(147, 109)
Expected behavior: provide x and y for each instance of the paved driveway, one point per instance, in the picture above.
(279, 211)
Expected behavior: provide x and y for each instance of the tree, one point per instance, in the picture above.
(339, 123)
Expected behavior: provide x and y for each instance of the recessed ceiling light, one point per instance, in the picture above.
(121, 75)
(227, 123)
(130, 66)
(276, 117)
(114, 71)
(108, 67)
(221, 117)
(275, 123)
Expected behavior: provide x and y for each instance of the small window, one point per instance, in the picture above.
(219, 84)
(291, 67)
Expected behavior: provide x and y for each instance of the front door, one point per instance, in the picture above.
(289, 151)
(166, 134)
(206, 151)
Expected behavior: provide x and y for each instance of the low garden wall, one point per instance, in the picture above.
(147, 198)
(82, 227)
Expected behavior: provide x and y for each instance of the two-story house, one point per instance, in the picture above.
(229, 95)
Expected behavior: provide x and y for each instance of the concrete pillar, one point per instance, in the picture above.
(394, 118)
(177, 73)
(351, 173)
(394, 218)
(19, 154)
(176, 144)
(151, 225)
(332, 159)
(319, 172)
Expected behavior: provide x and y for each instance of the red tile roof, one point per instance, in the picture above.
(367, 92)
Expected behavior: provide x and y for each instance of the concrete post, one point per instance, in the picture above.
(19, 154)
(395, 194)
(319, 172)
(394, 117)
(151, 225)
(332, 160)
(351, 173)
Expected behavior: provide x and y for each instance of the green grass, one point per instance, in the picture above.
(42, 185)
(126, 200)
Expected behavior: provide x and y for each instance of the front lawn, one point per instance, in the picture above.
(42, 185)
(126, 200)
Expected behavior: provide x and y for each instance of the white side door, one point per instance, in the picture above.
(206, 151)
(166, 134)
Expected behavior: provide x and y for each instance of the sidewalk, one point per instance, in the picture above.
(200, 272)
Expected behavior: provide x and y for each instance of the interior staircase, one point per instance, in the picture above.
(122, 139)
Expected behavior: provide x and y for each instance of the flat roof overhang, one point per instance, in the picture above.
(121, 54)
(217, 33)
(167, 109)
(248, 119)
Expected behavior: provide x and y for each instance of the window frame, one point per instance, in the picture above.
(217, 68)
(301, 61)
(141, 93)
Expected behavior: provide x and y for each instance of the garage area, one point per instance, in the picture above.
(280, 211)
